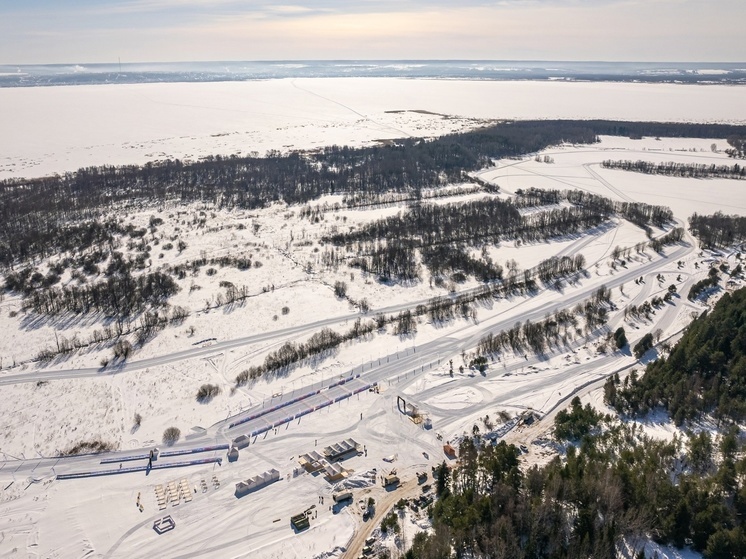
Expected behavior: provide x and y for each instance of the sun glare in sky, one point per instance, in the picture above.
(49, 31)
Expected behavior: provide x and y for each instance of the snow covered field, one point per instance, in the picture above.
(56, 129)
(98, 517)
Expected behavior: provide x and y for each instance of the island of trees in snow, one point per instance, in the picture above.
(673, 169)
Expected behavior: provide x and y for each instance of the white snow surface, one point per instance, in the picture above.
(56, 129)
(98, 517)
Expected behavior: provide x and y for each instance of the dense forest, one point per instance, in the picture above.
(37, 214)
(613, 487)
(704, 374)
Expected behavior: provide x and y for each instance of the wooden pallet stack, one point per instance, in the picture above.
(185, 490)
(161, 497)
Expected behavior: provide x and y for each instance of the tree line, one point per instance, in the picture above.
(641, 214)
(556, 329)
(148, 324)
(39, 214)
(672, 169)
(442, 233)
(636, 212)
(437, 309)
(387, 247)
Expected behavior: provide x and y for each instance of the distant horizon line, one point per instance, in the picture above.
(302, 60)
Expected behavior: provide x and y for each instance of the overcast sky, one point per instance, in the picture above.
(67, 31)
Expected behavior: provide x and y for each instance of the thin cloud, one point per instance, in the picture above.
(146, 6)
(171, 30)
(295, 10)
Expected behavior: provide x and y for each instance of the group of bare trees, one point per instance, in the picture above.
(557, 329)
(738, 147)
(119, 296)
(437, 310)
(559, 267)
(673, 169)
(446, 259)
(391, 260)
(388, 247)
(291, 353)
(639, 213)
(443, 233)
(718, 229)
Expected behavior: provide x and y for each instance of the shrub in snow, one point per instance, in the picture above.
(207, 392)
(171, 435)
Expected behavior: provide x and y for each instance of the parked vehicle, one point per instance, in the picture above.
(341, 497)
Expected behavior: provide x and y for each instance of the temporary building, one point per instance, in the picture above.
(334, 472)
(257, 482)
(341, 450)
(312, 461)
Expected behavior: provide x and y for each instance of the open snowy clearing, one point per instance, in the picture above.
(580, 167)
(48, 408)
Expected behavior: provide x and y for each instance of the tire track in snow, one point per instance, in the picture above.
(361, 115)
